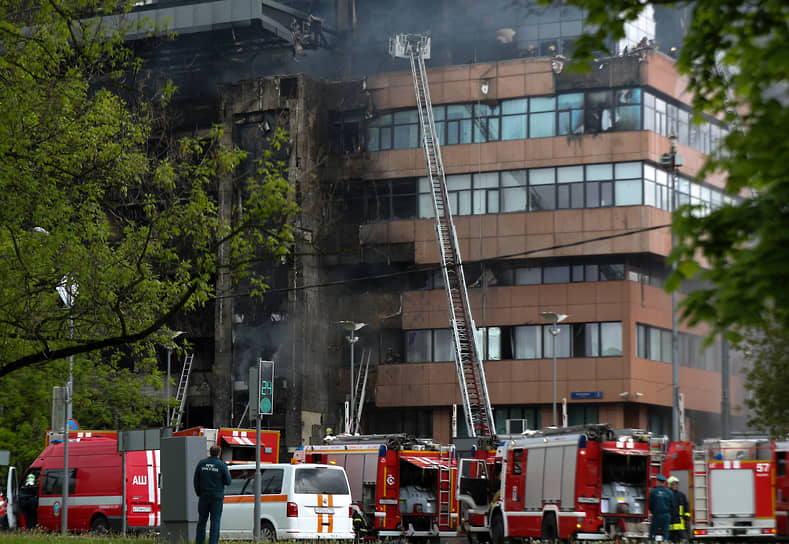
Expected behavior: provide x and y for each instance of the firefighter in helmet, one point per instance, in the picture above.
(680, 516)
(360, 529)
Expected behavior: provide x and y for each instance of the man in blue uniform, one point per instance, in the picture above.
(211, 477)
(661, 505)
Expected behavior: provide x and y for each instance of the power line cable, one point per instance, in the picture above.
(436, 267)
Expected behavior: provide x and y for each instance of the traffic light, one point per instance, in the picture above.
(266, 388)
(261, 389)
(667, 161)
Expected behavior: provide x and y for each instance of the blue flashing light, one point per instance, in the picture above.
(582, 441)
(382, 451)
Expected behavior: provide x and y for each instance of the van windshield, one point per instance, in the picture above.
(321, 480)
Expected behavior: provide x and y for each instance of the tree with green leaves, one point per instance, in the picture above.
(734, 55)
(109, 223)
(767, 354)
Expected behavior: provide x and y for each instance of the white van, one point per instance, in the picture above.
(297, 502)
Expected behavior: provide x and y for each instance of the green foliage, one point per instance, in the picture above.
(768, 355)
(734, 55)
(100, 201)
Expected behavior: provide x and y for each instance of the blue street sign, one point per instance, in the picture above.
(586, 394)
(73, 425)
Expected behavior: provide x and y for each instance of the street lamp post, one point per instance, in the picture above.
(352, 327)
(555, 319)
(672, 161)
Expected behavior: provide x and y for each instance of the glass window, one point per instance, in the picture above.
(542, 125)
(321, 480)
(528, 342)
(591, 340)
(628, 96)
(513, 192)
(571, 101)
(571, 113)
(515, 106)
(592, 194)
(459, 189)
(425, 205)
(592, 272)
(513, 127)
(459, 126)
(627, 118)
(489, 342)
(610, 339)
(486, 123)
(628, 192)
(570, 174)
(513, 120)
(612, 272)
(641, 342)
(563, 340)
(541, 176)
(542, 103)
(418, 346)
(406, 129)
(654, 344)
(556, 274)
(606, 193)
(52, 481)
(582, 414)
(442, 345)
(542, 197)
(598, 116)
(665, 346)
(595, 172)
(270, 482)
(528, 275)
(627, 170)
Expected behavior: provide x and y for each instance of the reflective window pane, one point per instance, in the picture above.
(628, 192)
(556, 274)
(528, 275)
(418, 346)
(513, 127)
(442, 345)
(563, 340)
(528, 342)
(611, 339)
(542, 125)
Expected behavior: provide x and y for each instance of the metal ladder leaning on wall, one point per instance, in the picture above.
(361, 388)
(471, 374)
(445, 455)
(180, 395)
(700, 475)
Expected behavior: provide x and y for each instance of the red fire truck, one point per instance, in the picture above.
(730, 485)
(586, 483)
(238, 445)
(95, 496)
(781, 490)
(403, 485)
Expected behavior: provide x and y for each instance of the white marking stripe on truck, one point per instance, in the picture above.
(152, 458)
(109, 500)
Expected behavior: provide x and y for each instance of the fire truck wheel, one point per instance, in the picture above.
(267, 532)
(497, 529)
(99, 525)
(549, 531)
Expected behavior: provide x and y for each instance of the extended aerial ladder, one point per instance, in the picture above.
(180, 395)
(471, 374)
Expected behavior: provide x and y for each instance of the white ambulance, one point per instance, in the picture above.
(297, 502)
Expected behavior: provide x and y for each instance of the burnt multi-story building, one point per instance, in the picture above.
(556, 187)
